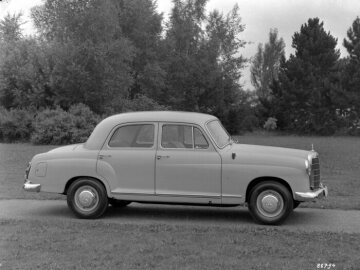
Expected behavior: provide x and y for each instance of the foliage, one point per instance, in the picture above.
(89, 55)
(10, 28)
(241, 116)
(56, 126)
(270, 124)
(305, 94)
(266, 64)
(351, 74)
(204, 64)
(143, 103)
(15, 125)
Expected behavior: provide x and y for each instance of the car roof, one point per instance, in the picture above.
(103, 129)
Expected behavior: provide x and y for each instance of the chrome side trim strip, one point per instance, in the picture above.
(232, 196)
(168, 195)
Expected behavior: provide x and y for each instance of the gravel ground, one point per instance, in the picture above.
(303, 219)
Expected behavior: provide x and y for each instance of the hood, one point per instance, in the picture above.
(269, 155)
(270, 150)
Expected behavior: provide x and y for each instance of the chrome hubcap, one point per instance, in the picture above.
(270, 203)
(86, 198)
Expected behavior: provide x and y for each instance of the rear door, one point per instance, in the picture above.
(127, 159)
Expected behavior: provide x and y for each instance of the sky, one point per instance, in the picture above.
(258, 16)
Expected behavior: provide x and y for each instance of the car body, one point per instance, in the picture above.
(175, 157)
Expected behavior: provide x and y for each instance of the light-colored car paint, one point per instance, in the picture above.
(207, 176)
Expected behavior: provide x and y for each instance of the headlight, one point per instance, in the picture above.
(308, 162)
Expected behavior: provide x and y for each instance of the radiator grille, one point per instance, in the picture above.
(315, 173)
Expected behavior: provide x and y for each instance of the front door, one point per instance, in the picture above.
(187, 165)
(127, 160)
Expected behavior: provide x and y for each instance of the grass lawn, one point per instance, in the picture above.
(340, 166)
(13, 162)
(78, 244)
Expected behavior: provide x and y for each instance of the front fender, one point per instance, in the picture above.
(236, 178)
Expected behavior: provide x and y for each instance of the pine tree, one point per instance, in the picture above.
(305, 95)
(351, 77)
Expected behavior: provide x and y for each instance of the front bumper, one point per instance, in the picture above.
(28, 186)
(311, 195)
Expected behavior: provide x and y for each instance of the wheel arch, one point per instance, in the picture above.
(72, 180)
(258, 180)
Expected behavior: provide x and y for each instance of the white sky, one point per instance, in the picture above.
(257, 15)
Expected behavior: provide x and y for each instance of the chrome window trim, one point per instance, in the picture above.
(210, 147)
(211, 136)
(114, 129)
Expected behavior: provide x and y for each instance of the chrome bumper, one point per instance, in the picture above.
(28, 186)
(311, 195)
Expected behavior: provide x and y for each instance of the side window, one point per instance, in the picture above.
(199, 140)
(176, 136)
(133, 136)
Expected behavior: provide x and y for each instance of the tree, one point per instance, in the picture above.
(266, 64)
(10, 28)
(90, 57)
(351, 75)
(12, 56)
(304, 96)
(142, 25)
(204, 64)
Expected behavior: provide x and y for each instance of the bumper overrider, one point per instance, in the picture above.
(321, 192)
(28, 186)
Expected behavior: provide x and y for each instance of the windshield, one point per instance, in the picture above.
(219, 134)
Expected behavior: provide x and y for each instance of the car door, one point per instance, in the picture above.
(127, 159)
(187, 165)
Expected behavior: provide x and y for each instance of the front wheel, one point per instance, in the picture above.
(270, 203)
(87, 198)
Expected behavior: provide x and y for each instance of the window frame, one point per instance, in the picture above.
(112, 132)
(160, 133)
(211, 135)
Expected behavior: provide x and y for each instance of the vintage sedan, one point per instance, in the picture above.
(176, 158)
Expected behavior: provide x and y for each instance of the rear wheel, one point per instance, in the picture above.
(270, 202)
(87, 198)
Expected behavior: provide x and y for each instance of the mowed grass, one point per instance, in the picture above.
(339, 157)
(60, 244)
(339, 165)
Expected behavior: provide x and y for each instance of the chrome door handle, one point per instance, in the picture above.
(160, 157)
(104, 156)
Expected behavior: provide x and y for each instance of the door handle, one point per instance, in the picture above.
(104, 156)
(160, 157)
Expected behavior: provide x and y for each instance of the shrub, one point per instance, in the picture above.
(143, 103)
(57, 126)
(15, 124)
(84, 121)
(270, 124)
(240, 120)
